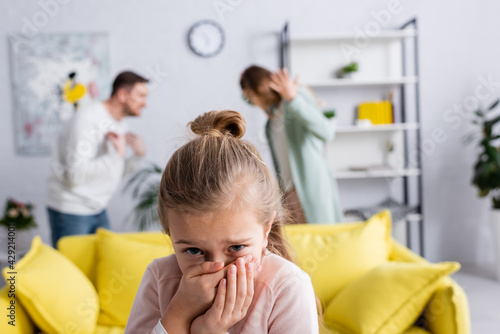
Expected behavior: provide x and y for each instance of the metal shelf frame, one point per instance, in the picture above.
(407, 31)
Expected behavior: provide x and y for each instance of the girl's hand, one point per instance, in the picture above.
(233, 298)
(192, 297)
(281, 83)
(198, 287)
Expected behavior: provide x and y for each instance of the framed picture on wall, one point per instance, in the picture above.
(52, 76)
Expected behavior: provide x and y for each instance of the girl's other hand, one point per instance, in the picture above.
(234, 296)
(198, 287)
(281, 83)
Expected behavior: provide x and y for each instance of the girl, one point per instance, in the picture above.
(296, 132)
(231, 271)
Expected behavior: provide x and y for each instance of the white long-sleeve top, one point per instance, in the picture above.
(86, 169)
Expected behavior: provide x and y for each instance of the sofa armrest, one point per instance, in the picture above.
(448, 310)
(23, 324)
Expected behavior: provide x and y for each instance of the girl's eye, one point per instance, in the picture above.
(193, 251)
(237, 248)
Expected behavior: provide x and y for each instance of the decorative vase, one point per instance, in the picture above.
(495, 224)
(333, 123)
(22, 241)
(340, 74)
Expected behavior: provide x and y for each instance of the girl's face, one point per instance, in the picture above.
(221, 236)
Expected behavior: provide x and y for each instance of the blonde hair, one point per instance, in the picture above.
(218, 170)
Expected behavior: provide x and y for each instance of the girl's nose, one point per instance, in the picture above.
(220, 258)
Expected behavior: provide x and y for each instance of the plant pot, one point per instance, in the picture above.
(345, 75)
(22, 241)
(495, 224)
(333, 123)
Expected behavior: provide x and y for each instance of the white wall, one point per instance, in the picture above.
(458, 46)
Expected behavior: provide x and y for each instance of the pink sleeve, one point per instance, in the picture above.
(145, 312)
(294, 310)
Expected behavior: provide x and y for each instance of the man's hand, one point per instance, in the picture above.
(281, 83)
(136, 143)
(118, 142)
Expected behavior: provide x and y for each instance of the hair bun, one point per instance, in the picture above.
(219, 123)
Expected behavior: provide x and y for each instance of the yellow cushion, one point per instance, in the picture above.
(80, 249)
(418, 330)
(412, 330)
(16, 321)
(103, 329)
(58, 297)
(388, 299)
(121, 262)
(336, 255)
(448, 310)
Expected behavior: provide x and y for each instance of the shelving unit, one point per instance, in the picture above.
(377, 173)
(391, 34)
(376, 128)
(388, 60)
(361, 82)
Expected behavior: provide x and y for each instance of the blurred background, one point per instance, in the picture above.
(458, 53)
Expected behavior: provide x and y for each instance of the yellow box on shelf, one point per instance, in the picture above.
(377, 112)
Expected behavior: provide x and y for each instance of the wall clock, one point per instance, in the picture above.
(206, 38)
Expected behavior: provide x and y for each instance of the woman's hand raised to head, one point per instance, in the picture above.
(281, 83)
(234, 296)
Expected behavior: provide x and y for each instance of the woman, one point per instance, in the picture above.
(296, 131)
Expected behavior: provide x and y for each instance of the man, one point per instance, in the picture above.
(89, 159)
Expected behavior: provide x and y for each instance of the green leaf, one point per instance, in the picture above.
(145, 184)
(469, 137)
(494, 104)
(329, 113)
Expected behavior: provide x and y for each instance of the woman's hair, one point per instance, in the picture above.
(254, 78)
(218, 170)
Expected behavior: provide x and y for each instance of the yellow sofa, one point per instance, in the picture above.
(113, 263)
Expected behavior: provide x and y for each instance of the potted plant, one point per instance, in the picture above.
(487, 169)
(18, 215)
(330, 115)
(16, 220)
(348, 70)
(145, 184)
